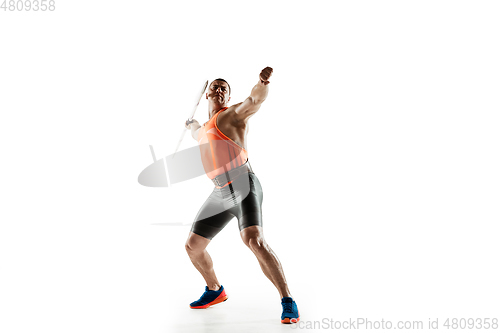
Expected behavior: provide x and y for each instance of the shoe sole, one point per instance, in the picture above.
(290, 320)
(221, 298)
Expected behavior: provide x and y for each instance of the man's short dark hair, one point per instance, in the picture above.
(223, 81)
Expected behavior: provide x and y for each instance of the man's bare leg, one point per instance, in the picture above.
(253, 237)
(196, 249)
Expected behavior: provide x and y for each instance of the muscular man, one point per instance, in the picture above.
(237, 192)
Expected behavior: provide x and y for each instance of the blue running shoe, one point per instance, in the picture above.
(290, 311)
(209, 298)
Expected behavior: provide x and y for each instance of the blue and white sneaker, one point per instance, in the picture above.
(209, 298)
(290, 311)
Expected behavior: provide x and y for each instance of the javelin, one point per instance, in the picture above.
(191, 117)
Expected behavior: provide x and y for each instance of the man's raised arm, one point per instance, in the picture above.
(258, 95)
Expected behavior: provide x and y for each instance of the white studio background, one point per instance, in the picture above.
(377, 149)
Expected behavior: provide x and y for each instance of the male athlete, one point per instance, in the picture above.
(237, 192)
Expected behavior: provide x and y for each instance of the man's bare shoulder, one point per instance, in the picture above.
(233, 107)
(236, 118)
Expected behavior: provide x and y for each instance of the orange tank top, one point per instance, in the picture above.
(219, 153)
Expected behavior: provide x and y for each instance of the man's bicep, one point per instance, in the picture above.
(247, 108)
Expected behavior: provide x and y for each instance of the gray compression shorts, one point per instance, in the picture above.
(242, 199)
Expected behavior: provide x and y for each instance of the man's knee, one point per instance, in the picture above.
(196, 244)
(190, 248)
(252, 236)
(257, 244)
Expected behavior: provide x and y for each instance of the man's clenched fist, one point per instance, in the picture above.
(190, 122)
(265, 75)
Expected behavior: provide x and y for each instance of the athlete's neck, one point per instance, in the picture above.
(213, 109)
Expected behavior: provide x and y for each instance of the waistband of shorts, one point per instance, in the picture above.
(228, 177)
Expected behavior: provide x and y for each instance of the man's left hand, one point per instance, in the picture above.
(265, 75)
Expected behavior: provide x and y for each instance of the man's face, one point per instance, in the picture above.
(218, 91)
